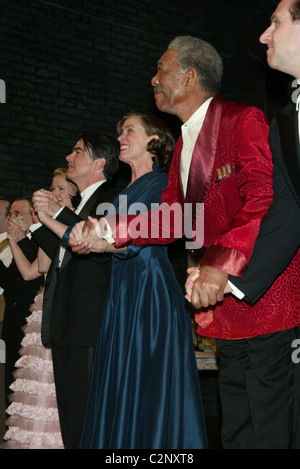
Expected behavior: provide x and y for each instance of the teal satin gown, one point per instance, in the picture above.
(145, 391)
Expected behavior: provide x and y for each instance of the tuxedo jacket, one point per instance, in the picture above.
(277, 246)
(19, 296)
(75, 293)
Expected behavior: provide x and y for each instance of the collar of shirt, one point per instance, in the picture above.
(190, 131)
(87, 193)
(297, 107)
(3, 236)
(298, 97)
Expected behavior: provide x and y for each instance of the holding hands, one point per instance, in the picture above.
(45, 201)
(86, 237)
(205, 286)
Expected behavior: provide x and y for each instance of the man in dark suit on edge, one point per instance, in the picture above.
(272, 277)
(76, 286)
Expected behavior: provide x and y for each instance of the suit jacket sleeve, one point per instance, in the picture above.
(49, 241)
(29, 248)
(46, 239)
(232, 248)
(120, 224)
(278, 240)
(68, 217)
(3, 276)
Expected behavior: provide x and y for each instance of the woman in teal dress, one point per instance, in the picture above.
(145, 391)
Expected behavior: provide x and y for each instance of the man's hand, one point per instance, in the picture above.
(15, 230)
(208, 287)
(45, 201)
(44, 216)
(84, 237)
(77, 243)
(193, 274)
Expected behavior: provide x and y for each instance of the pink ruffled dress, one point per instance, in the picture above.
(33, 421)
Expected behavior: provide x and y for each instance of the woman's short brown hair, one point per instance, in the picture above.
(161, 149)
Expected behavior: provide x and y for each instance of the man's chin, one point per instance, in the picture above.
(159, 101)
(69, 175)
(161, 106)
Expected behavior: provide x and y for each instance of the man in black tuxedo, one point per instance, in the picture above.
(261, 374)
(279, 237)
(275, 262)
(76, 286)
(18, 293)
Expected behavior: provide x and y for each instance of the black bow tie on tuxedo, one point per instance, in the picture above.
(76, 199)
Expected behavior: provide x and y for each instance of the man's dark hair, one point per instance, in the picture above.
(102, 145)
(295, 11)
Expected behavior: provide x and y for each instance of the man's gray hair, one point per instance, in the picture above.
(203, 57)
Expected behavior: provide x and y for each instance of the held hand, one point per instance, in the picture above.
(193, 274)
(88, 226)
(76, 242)
(76, 232)
(102, 228)
(43, 216)
(84, 238)
(45, 201)
(208, 287)
(227, 289)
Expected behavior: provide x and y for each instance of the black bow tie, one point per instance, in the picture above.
(76, 199)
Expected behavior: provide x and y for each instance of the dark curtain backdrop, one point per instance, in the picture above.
(82, 64)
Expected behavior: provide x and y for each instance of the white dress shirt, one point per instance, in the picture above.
(5, 255)
(85, 195)
(297, 107)
(190, 131)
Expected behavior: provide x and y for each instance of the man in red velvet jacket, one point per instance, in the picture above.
(223, 160)
(271, 282)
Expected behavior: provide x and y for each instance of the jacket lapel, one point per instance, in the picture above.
(177, 156)
(97, 196)
(88, 206)
(203, 158)
(289, 138)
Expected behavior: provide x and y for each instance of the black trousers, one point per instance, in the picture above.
(259, 391)
(72, 371)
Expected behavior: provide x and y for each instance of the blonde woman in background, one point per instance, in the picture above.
(33, 421)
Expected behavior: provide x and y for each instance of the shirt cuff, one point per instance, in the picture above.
(109, 234)
(235, 291)
(57, 213)
(34, 227)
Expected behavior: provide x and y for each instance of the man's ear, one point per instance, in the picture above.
(99, 164)
(191, 78)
